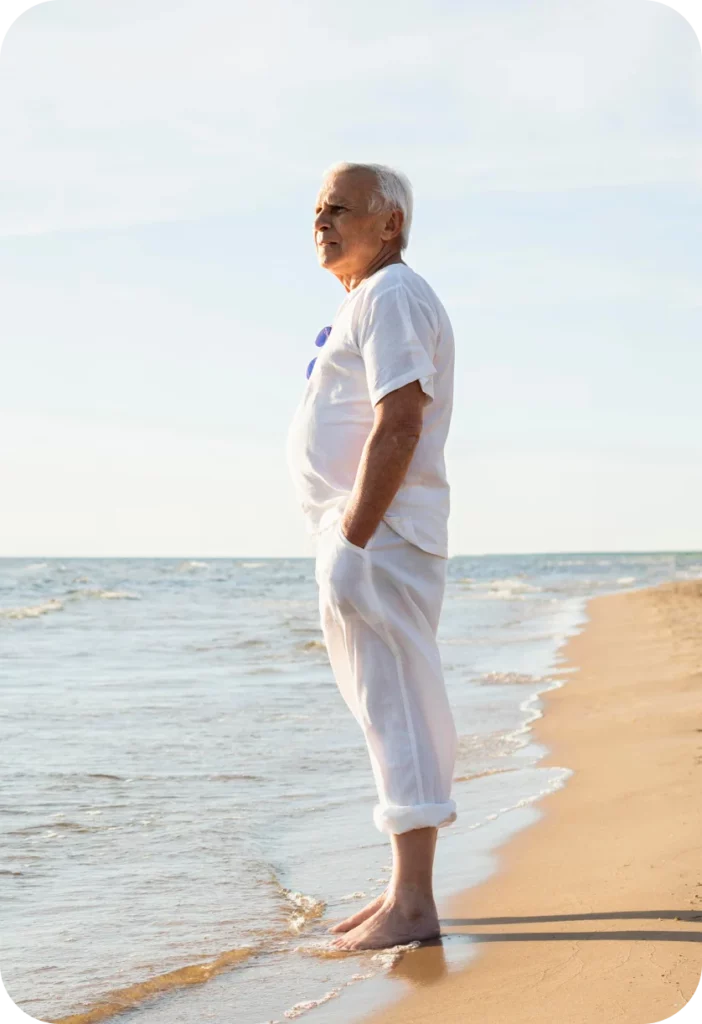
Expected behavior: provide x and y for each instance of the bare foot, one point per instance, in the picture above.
(355, 919)
(393, 924)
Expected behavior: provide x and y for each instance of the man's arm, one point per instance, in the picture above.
(384, 461)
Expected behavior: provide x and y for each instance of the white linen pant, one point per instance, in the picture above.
(379, 608)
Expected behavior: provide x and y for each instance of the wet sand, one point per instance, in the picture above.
(594, 915)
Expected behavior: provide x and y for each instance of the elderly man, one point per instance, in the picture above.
(366, 453)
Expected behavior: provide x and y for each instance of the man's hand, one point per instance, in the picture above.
(384, 461)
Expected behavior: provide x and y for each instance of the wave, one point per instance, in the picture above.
(305, 909)
(313, 645)
(511, 587)
(126, 998)
(508, 677)
(234, 776)
(102, 595)
(693, 572)
(57, 604)
(34, 773)
(471, 776)
(555, 783)
(32, 611)
(566, 561)
(299, 1008)
(141, 777)
(384, 959)
(54, 829)
(500, 588)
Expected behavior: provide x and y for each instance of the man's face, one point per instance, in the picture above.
(346, 236)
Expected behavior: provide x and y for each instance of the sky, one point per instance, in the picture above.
(160, 293)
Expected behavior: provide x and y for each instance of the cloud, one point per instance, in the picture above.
(151, 112)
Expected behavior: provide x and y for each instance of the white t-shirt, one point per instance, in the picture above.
(388, 331)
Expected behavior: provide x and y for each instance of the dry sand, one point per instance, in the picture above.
(595, 913)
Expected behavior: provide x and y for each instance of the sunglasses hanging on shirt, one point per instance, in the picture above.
(319, 341)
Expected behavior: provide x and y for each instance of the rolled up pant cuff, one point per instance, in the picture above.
(395, 819)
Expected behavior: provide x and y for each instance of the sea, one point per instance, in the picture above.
(185, 800)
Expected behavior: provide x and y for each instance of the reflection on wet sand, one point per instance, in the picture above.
(423, 966)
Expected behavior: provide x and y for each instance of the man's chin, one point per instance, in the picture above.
(328, 254)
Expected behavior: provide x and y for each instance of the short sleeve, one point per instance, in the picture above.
(397, 341)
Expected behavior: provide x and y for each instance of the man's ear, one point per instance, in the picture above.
(393, 225)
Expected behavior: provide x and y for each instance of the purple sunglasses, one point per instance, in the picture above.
(319, 341)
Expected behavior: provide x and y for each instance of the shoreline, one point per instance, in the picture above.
(594, 912)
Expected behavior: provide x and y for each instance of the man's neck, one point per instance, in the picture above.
(353, 280)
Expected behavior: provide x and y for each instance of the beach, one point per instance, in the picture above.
(199, 779)
(595, 912)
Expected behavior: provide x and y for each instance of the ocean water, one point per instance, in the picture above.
(186, 802)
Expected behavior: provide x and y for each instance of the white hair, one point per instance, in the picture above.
(392, 191)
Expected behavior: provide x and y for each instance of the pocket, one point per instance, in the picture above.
(346, 542)
(330, 550)
(343, 572)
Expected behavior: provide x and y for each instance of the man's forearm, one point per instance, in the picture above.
(385, 460)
